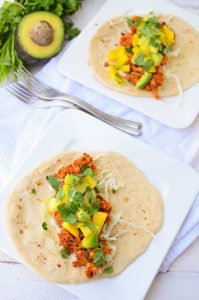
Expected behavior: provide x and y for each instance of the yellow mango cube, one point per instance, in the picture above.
(122, 60)
(99, 219)
(71, 228)
(91, 182)
(90, 241)
(163, 39)
(52, 205)
(169, 34)
(137, 50)
(85, 230)
(115, 54)
(114, 76)
(135, 39)
(125, 68)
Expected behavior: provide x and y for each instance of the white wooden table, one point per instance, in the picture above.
(179, 283)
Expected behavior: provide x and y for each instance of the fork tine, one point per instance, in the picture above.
(28, 77)
(22, 89)
(17, 94)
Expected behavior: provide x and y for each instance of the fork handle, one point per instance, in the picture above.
(94, 111)
(121, 126)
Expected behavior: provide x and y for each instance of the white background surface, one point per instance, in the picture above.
(181, 282)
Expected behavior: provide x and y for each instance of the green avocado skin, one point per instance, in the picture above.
(23, 54)
(25, 57)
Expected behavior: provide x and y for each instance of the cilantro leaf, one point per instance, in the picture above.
(71, 218)
(83, 168)
(34, 191)
(60, 195)
(108, 270)
(53, 181)
(148, 64)
(113, 191)
(64, 253)
(129, 21)
(138, 22)
(99, 258)
(129, 50)
(44, 226)
(72, 33)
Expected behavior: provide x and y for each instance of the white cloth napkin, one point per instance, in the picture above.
(21, 125)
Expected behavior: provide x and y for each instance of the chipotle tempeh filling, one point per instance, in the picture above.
(142, 54)
(81, 214)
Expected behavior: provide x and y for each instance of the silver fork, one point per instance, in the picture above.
(43, 91)
(26, 95)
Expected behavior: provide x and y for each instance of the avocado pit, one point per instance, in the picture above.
(41, 33)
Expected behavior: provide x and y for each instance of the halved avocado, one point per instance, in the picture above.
(39, 37)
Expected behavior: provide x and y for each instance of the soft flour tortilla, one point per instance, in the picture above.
(40, 249)
(185, 65)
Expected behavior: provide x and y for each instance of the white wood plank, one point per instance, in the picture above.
(18, 282)
(175, 286)
(188, 261)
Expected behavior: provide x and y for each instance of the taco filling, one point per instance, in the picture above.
(81, 214)
(141, 54)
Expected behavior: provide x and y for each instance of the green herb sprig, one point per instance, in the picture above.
(10, 16)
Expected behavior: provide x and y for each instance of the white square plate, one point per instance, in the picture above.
(177, 183)
(74, 64)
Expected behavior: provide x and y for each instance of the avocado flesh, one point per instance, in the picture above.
(144, 80)
(39, 37)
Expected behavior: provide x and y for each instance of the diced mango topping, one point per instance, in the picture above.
(90, 241)
(91, 182)
(169, 34)
(114, 76)
(85, 230)
(99, 219)
(52, 205)
(71, 228)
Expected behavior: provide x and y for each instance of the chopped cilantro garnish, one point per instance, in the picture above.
(108, 270)
(74, 202)
(148, 64)
(154, 43)
(53, 181)
(83, 168)
(71, 218)
(64, 253)
(129, 21)
(60, 195)
(148, 31)
(34, 191)
(96, 188)
(99, 258)
(44, 226)
(129, 50)
(138, 22)
(140, 59)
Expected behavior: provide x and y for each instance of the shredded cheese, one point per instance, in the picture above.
(174, 53)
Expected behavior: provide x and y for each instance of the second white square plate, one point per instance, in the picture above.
(74, 64)
(178, 184)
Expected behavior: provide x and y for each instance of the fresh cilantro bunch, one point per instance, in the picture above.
(11, 14)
